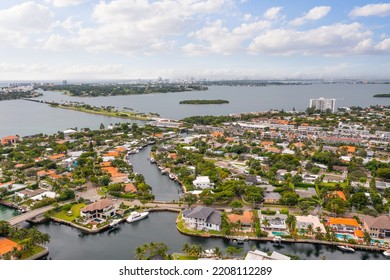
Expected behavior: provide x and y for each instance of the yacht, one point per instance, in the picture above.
(386, 253)
(135, 216)
(346, 249)
(152, 160)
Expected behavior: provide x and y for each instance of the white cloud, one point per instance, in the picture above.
(218, 39)
(129, 26)
(314, 14)
(20, 22)
(326, 40)
(273, 13)
(65, 3)
(382, 10)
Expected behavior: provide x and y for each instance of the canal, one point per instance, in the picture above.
(71, 244)
(6, 212)
(163, 188)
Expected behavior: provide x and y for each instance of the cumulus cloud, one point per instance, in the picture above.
(325, 40)
(382, 10)
(273, 13)
(20, 22)
(65, 3)
(129, 26)
(314, 14)
(216, 38)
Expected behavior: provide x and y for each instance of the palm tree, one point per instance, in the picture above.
(217, 252)
(319, 234)
(266, 223)
(310, 230)
(186, 248)
(367, 238)
(140, 252)
(291, 222)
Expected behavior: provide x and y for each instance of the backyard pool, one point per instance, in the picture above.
(279, 233)
(340, 236)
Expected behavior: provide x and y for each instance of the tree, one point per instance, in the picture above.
(236, 205)
(190, 199)
(291, 223)
(310, 230)
(5, 228)
(336, 205)
(266, 223)
(367, 238)
(231, 251)
(152, 250)
(359, 199)
(289, 198)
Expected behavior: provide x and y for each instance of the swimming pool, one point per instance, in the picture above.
(279, 233)
(341, 236)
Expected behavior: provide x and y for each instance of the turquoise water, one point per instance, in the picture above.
(6, 213)
(341, 236)
(279, 233)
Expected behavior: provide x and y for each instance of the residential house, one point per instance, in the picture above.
(9, 140)
(272, 197)
(202, 182)
(275, 222)
(7, 245)
(344, 224)
(377, 227)
(102, 209)
(246, 219)
(202, 218)
(304, 221)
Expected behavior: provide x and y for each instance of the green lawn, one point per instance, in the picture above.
(179, 256)
(36, 250)
(63, 215)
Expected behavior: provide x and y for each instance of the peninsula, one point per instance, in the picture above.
(204, 101)
(94, 90)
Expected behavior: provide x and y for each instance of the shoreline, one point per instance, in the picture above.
(289, 240)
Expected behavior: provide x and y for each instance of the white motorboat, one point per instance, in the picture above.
(114, 223)
(346, 249)
(135, 216)
(386, 253)
(152, 160)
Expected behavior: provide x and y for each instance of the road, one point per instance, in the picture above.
(29, 215)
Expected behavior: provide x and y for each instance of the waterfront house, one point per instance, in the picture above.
(102, 209)
(7, 246)
(273, 222)
(202, 218)
(246, 219)
(344, 224)
(304, 221)
(202, 182)
(377, 227)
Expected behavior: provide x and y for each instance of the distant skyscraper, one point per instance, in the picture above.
(64, 82)
(323, 104)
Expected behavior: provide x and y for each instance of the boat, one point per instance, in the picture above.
(171, 176)
(135, 216)
(277, 239)
(386, 253)
(152, 160)
(346, 249)
(114, 223)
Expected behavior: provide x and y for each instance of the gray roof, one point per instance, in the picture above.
(204, 213)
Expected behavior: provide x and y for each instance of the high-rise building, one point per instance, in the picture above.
(64, 82)
(323, 104)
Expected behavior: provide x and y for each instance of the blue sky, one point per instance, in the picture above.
(213, 39)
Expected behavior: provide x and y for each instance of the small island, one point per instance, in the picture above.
(204, 101)
(382, 95)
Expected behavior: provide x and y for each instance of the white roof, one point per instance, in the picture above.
(202, 179)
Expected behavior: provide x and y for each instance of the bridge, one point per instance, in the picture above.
(29, 215)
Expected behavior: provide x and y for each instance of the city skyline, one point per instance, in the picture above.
(219, 39)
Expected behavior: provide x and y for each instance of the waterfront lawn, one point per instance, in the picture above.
(36, 250)
(63, 215)
(181, 226)
(182, 257)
